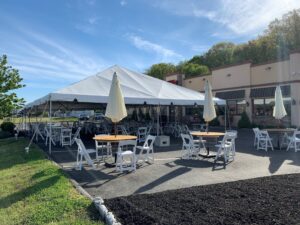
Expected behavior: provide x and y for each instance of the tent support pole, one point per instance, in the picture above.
(225, 115)
(50, 126)
(157, 123)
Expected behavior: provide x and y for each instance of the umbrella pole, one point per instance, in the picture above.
(206, 127)
(115, 125)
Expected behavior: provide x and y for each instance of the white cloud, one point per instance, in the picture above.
(241, 17)
(140, 43)
(93, 20)
(40, 57)
(123, 3)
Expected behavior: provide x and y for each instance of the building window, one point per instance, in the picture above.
(264, 106)
(236, 106)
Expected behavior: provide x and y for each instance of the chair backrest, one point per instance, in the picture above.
(142, 132)
(232, 133)
(77, 132)
(296, 134)
(256, 131)
(263, 133)
(186, 140)
(66, 132)
(149, 141)
(98, 143)
(127, 145)
(82, 150)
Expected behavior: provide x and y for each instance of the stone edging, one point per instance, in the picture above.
(105, 214)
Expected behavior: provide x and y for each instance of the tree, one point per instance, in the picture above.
(10, 80)
(219, 55)
(192, 69)
(160, 70)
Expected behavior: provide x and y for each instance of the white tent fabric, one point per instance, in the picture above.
(209, 112)
(279, 111)
(115, 109)
(137, 89)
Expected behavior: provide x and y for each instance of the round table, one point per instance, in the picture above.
(279, 131)
(214, 135)
(113, 139)
(207, 134)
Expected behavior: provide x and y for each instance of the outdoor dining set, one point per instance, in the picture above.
(288, 138)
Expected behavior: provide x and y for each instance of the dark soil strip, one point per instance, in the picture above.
(261, 201)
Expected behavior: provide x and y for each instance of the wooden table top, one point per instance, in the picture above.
(280, 129)
(112, 138)
(207, 134)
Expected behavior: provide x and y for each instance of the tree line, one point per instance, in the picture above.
(280, 37)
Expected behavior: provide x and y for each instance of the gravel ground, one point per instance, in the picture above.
(261, 201)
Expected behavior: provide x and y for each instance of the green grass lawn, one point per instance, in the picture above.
(39, 119)
(35, 191)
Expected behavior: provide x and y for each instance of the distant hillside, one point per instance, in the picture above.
(281, 36)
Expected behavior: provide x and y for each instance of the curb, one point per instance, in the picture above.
(107, 216)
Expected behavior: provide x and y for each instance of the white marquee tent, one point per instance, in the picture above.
(137, 89)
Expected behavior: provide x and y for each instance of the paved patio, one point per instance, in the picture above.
(171, 172)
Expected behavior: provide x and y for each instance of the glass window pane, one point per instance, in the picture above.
(231, 107)
(258, 107)
(241, 106)
(269, 105)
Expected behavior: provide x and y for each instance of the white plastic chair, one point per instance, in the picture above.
(234, 134)
(103, 146)
(294, 141)
(256, 136)
(76, 135)
(189, 150)
(126, 150)
(66, 137)
(264, 141)
(48, 137)
(141, 134)
(84, 153)
(146, 151)
(225, 148)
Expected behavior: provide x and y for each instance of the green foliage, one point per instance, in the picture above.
(193, 69)
(160, 70)
(281, 37)
(9, 81)
(5, 134)
(134, 115)
(141, 114)
(35, 191)
(215, 122)
(8, 127)
(244, 122)
(219, 55)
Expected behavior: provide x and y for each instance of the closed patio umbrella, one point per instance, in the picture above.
(209, 112)
(279, 111)
(115, 109)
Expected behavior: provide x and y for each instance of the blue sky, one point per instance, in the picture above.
(57, 42)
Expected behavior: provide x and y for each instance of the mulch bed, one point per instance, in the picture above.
(260, 201)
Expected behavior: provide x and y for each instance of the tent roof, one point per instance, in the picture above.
(137, 89)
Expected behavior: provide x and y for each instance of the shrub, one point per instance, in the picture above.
(244, 122)
(8, 127)
(5, 134)
(215, 122)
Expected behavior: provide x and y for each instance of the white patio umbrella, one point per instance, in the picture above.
(115, 109)
(209, 112)
(279, 111)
